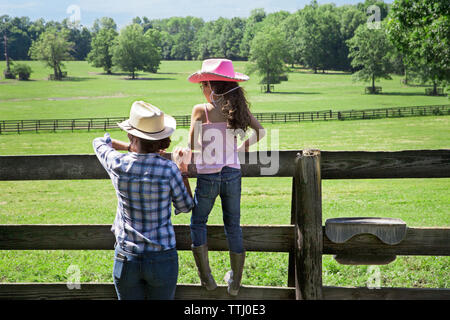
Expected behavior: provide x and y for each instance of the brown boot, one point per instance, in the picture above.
(204, 271)
(234, 276)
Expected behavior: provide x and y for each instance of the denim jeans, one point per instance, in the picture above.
(151, 275)
(227, 184)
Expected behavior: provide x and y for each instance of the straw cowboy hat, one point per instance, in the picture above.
(217, 70)
(148, 122)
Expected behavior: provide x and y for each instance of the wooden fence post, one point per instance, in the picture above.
(291, 262)
(308, 226)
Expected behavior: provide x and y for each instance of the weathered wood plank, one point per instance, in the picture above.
(187, 292)
(57, 291)
(386, 165)
(418, 241)
(100, 237)
(334, 165)
(308, 226)
(343, 293)
(106, 291)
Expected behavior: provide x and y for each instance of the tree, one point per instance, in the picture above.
(268, 53)
(369, 51)
(291, 25)
(18, 39)
(330, 37)
(310, 37)
(136, 50)
(53, 47)
(350, 19)
(82, 39)
(319, 37)
(5, 25)
(183, 31)
(103, 23)
(178, 36)
(420, 30)
(101, 55)
(251, 28)
(231, 37)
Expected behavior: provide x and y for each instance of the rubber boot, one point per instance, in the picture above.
(204, 271)
(234, 276)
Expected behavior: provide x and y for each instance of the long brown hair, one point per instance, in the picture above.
(154, 146)
(234, 105)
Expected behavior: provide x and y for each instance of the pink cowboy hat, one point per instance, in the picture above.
(217, 70)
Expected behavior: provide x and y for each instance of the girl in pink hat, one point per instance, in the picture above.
(215, 127)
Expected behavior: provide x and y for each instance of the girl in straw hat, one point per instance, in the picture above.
(215, 126)
(146, 184)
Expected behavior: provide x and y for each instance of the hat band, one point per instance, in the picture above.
(148, 132)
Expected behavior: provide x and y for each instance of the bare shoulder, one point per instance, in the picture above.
(198, 108)
(198, 112)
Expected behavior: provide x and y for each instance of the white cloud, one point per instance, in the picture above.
(153, 9)
(8, 7)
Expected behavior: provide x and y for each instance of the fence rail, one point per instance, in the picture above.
(106, 291)
(304, 240)
(334, 165)
(279, 238)
(18, 126)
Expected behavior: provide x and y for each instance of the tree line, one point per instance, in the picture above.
(191, 38)
(372, 39)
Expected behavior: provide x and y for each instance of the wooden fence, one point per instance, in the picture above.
(305, 239)
(18, 126)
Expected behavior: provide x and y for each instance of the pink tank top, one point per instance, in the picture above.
(219, 148)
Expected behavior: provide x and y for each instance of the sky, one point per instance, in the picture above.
(123, 11)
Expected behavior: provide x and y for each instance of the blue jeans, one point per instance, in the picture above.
(151, 275)
(227, 184)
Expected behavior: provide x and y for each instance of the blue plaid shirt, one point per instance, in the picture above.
(146, 185)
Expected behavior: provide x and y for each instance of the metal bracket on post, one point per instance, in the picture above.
(388, 230)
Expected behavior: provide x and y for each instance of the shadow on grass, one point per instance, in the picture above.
(74, 79)
(295, 92)
(109, 74)
(303, 71)
(411, 94)
(148, 79)
(418, 85)
(127, 74)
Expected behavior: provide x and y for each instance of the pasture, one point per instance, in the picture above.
(89, 93)
(265, 201)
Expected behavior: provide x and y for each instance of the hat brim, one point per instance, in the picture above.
(170, 125)
(209, 76)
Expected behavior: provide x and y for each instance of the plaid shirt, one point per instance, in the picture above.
(146, 185)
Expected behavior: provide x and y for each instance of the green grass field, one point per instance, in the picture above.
(265, 201)
(90, 93)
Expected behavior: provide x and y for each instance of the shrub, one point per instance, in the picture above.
(22, 70)
(437, 112)
(8, 75)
